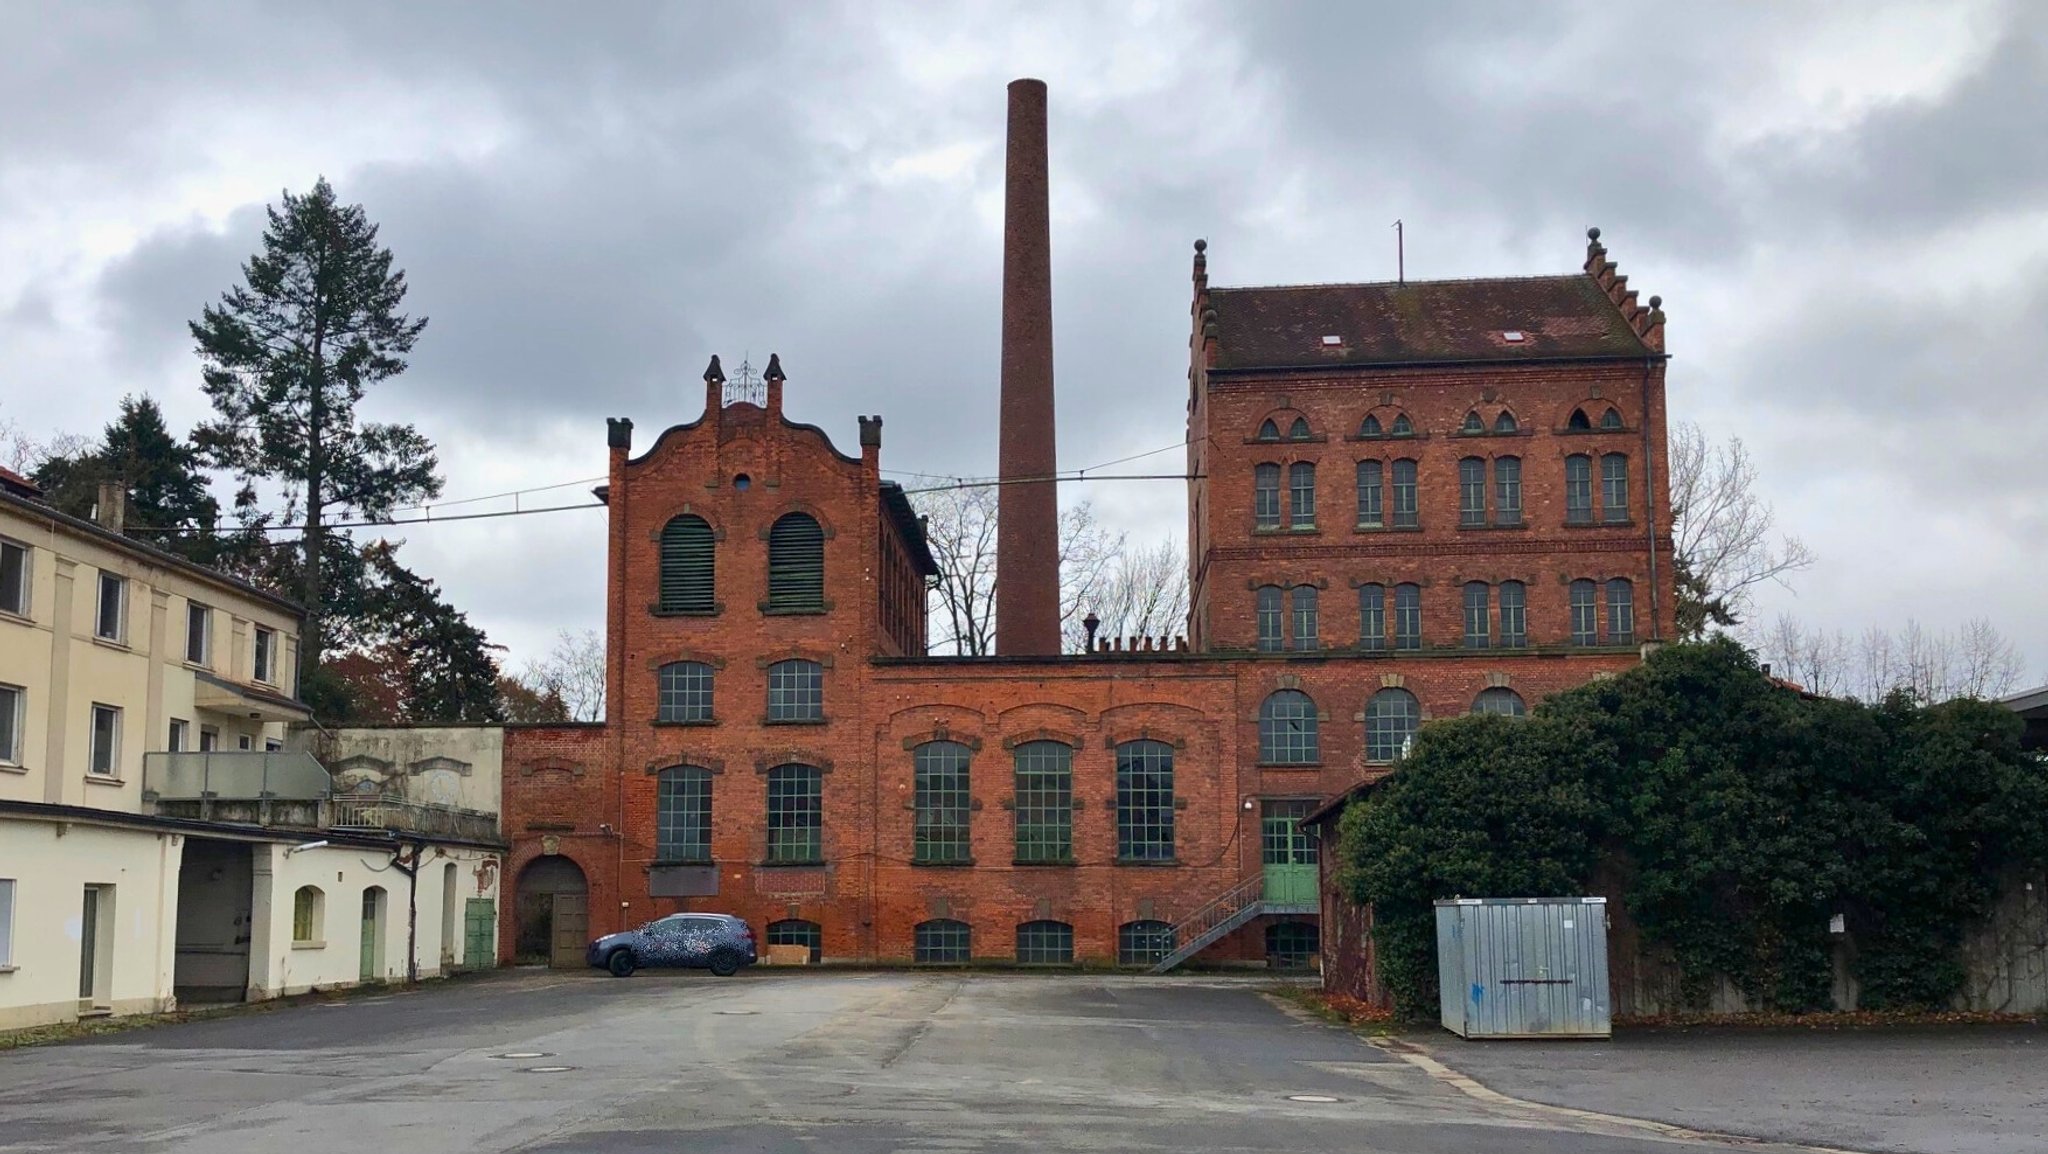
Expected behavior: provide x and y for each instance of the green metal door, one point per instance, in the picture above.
(373, 910)
(479, 934)
(1289, 854)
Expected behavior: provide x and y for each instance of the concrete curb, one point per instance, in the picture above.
(1417, 1057)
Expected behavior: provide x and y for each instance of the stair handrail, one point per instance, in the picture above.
(1217, 909)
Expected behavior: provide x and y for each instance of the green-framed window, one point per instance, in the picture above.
(797, 932)
(1142, 943)
(795, 814)
(1045, 943)
(796, 691)
(1582, 597)
(1144, 801)
(1578, 489)
(684, 692)
(944, 810)
(1372, 617)
(1292, 945)
(682, 814)
(1282, 840)
(1288, 732)
(1045, 802)
(941, 941)
(1514, 615)
(1391, 718)
(688, 561)
(1621, 612)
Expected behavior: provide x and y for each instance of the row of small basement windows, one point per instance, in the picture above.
(1473, 425)
(689, 564)
(946, 941)
(1289, 619)
(103, 743)
(1479, 503)
(111, 611)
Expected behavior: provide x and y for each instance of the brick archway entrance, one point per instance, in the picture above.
(553, 911)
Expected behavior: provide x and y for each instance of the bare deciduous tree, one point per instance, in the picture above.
(1975, 660)
(1725, 542)
(573, 673)
(1145, 594)
(25, 454)
(960, 526)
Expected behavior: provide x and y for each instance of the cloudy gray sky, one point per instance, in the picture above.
(1845, 208)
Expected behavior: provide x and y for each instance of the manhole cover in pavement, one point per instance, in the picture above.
(547, 1069)
(524, 1054)
(1318, 1098)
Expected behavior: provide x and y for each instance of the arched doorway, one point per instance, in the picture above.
(553, 911)
(372, 968)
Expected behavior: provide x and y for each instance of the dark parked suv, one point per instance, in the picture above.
(720, 943)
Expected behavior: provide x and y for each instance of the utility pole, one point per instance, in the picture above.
(1400, 255)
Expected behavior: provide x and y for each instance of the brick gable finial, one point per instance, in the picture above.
(1646, 322)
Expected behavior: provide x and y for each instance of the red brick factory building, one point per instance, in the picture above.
(1408, 500)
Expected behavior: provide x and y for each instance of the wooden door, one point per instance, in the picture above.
(571, 930)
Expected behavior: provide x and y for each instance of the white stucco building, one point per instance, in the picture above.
(168, 830)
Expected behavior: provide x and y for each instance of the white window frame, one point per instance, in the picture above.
(180, 735)
(204, 614)
(27, 588)
(92, 743)
(99, 619)
(242, 742)
(272, 745)
(209, 738)
(17, 722)
(6, 923)
(263, 666)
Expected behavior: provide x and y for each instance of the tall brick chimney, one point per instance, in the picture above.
(1027, 504)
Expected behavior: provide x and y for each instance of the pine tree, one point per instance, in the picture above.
(168, 502)
(287, 355)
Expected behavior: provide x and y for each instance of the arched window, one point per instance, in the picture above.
(1507, 491)
(1499, 700)
(1403, 427)
(1611, 419)
(1371, 427)
(1478, 615)
(1407, 513)
(1371, 497)
(1269, 431)
(1585, 609)
(795, 814)
(1143, 943)
(796, 691)
(796, 932)
(1372, 617)
(1298, 431)
(1144, 801)
(1287, 729)
(1266, 496)
(1472, 491)
(684, 692)
(682, 815)
(1271, 618)
(1301, 495)
(1306, 632)
(1391, 718)
(1472, 423)
(309, 916)
(1621, 612)
(1292, 945)
(688, 558)
(796, 564)
(1578, 489)
(941, 833)
(1514, 615)
(1505, 423)
(1045, 943)
(1614, 487)
(1407, 616)
(942, 941)
(1578, 420)
(1044, 802)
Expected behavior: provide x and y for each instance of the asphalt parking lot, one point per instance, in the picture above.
(808, 1061)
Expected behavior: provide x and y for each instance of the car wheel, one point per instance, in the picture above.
(621, 964)
(725, 963)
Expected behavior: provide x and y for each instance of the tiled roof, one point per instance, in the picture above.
(1420, 321)
(17, 484)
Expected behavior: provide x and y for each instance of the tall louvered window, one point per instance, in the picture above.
(687, 563)
(796, 564)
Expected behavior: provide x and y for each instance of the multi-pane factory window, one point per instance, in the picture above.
(1287, 729)
(1472, 490)
(795, 932)
(682, 815)
(1266, 496)
(1306, 636)
(1143, 943)
(1614, 487)
(1578, 489)
(796, 691)
(943, 940)
(943, 806)
(1507, 491)
(1371, 496)
(1045, 802)
(1585, 611)
(1407, 616)
(1045, 943)
(1478, 615)
(1144, 801)
(1499, 700)
(1301, 495)
(1514, 615)
(795, 813)
(684, 692)
(1372, 617)
(1621, 612)
(1391, 718)
(1406, 514)
(1292, 945)
(1271, 616)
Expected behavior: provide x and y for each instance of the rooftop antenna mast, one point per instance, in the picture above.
(1400, 255)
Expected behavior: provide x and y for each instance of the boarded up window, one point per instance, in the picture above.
(687, 559)
(796, 563)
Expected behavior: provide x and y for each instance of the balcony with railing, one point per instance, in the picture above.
(291, 790)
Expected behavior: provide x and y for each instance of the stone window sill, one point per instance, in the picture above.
(1599, 524)
(657, 611)
(9, 767)
(806, 864)
(309, 945)
(920, 864)
(1288, 765)
(8, 969)
(807, 611)
(103, 779)
(661, 723)
(795, 721)
(1147, 861)
(1389, 529)
(1060, 863)
(17, 618)
(114, 643)
(663, 863)
(1510, 525)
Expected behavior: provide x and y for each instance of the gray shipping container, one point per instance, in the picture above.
(1523, 967)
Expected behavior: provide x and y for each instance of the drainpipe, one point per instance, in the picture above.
(411, 870)
(1650, 510)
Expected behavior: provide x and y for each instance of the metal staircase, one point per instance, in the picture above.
(1236, 906)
